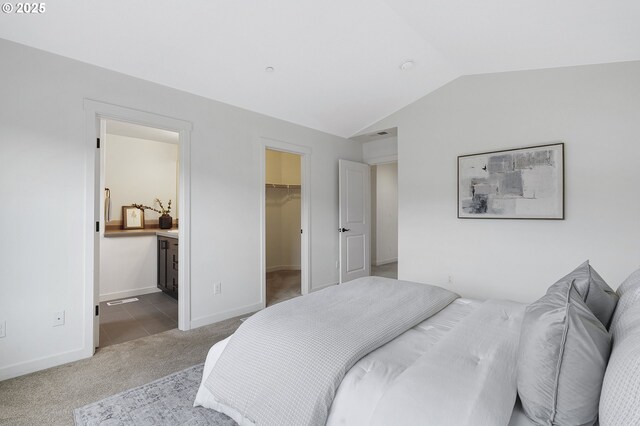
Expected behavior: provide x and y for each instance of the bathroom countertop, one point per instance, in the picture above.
(171, 233)
(152, 232)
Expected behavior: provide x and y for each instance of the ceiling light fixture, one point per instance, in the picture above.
(407, 65)
(269, 69)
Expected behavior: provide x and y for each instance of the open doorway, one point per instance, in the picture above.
(384, 220)
(139, 244)
(283, 217)
(380, 151)
(96, 114)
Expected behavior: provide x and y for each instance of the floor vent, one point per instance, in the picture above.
(123, 301)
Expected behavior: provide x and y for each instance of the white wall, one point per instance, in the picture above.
(139, 171)
(380, 150)
(374, 212)
(42, 167)
(595, 110)
(128, 267)
(283, 213)
(385, 224)
(282, 168)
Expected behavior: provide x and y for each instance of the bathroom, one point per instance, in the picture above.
(139, 242)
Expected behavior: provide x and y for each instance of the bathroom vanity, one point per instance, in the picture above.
(168, 262)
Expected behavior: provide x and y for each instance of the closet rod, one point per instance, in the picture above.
(279, 185)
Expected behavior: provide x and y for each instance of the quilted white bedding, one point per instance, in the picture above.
(365, 384)
(285, 363)
(460, 362)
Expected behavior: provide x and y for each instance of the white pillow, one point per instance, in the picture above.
(620, 398)
(629, 292)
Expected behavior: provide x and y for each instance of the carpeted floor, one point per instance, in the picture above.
(164, 402)
(388, 270)
(282, 285)
(48, 397)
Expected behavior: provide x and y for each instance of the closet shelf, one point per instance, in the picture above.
(279, 185)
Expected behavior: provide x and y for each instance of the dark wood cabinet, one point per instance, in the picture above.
(168, 265)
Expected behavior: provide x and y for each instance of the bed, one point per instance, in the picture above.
(457, 365)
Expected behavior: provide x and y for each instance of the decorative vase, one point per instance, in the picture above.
(165, 221)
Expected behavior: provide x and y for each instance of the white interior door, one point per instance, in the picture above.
(99, 215)
(354, 220)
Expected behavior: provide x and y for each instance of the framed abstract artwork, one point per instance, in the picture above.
(525, 183)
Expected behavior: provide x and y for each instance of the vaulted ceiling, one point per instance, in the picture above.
(336, 63)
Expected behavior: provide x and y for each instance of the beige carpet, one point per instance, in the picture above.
(48, 397)
(282, 285)
(388, 270)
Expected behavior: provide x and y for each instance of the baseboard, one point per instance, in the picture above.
(128, 293)
(284, 268)
(318, 288)
(27, 367)
(221, 316)
(384, 262)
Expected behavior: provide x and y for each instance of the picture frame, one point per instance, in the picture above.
(132, 218)
(521, 183)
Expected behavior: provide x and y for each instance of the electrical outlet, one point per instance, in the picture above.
(450, 279)
(3, 329)
(217, 288)
(337, 264)
(58, 318)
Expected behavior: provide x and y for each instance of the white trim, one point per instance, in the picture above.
(128, 293)
(284, 268)
(221, 316)
(385, 262)
(382, 160)
(184, 229)
(26, 367)
(263, 144)
(323, 287)
(96, 111)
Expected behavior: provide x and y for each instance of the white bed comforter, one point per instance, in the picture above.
(468, 378)
(470, 346)
(285, 363)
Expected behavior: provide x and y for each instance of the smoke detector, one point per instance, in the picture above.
(407, 65)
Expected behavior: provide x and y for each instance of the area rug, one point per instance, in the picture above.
(166, 401)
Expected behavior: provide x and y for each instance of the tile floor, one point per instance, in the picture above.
(152, 314)
(389, 270)
(282, 285)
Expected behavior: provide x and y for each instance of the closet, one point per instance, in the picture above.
(283, 224)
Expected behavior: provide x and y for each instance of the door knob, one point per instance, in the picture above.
(344, 230)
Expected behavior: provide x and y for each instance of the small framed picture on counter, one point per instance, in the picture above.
(132, 218)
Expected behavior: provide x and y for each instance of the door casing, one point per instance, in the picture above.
(95, 113)
(304, 152)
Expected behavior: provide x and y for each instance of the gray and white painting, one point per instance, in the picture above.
(522, 183)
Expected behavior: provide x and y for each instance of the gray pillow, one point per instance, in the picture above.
(562, 356)
(595, 292)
